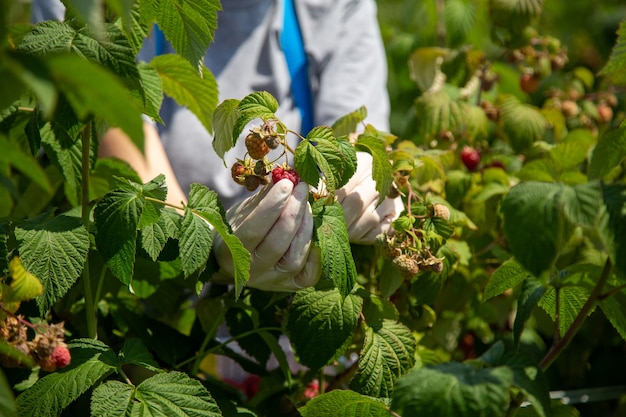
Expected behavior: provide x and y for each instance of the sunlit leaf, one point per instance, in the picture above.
(173, 393)
(348, 123)
(54, 251)
(91, 361)
(331, 234)
(321, 324)
(224, 118)
(388, 353)
(344, 403)
(189, 26)
(116, 218)
(182, 82)
(23, 286)
(207, 205)
(508, 275)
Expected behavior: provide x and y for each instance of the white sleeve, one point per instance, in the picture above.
(46, 10)
(350, 62)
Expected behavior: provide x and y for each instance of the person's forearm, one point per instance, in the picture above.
(149, 164)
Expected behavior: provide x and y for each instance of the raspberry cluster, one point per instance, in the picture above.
(255, 169)
(46, 349)
(409, 251)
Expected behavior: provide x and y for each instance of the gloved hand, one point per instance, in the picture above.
(276, 226)
(358, 199)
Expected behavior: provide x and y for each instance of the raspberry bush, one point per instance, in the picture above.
(501, 280)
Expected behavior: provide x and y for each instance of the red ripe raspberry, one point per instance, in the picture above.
(257, 148)
(61, 356)
(280, 173)
(470, 157)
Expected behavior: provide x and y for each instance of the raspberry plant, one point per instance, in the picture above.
(500, 277)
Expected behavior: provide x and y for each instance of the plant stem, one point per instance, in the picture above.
(90, 311)
(559, 345)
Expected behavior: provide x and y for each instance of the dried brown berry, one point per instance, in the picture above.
(272, 141)
(252, 182)
(239, 171)
(256, 146)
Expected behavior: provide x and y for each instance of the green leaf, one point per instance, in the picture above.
(508, 275)
(27, 70)
(258, 105)
(614, 68)
(348, 155)
(207, 205)
(91, 362)
(155, 236)
(534, 224)
(116, 219)
(344, 403)
(189, 26)
(614, 308)
(331, 235)
(533, 382)
(8, 407)
(135, 351)
(152, 88)
(571, 301)
(321, 324)
(453, 389)
(224, 118)
(573, 149)
(112, 399)
(197, 92)
(381, 168)
(526, 376)
(582, 204)
(608, 153)
(173, 393)
(523, 124)
(195, 242)
(437, 113)
(13, 155)
(614, 230)
(323, 153)
(92, 90)
(530, 294)
(66, 155)
(23, 286)
(348, 123)
(89, 11)
(156, 190)
(388, 353)
(459, 18)
(54, 251)
(423, 65)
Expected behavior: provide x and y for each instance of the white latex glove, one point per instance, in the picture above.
(358, 199)
(276, 226)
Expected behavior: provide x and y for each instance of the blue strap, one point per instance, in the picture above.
(293, 48)
(159, 41)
